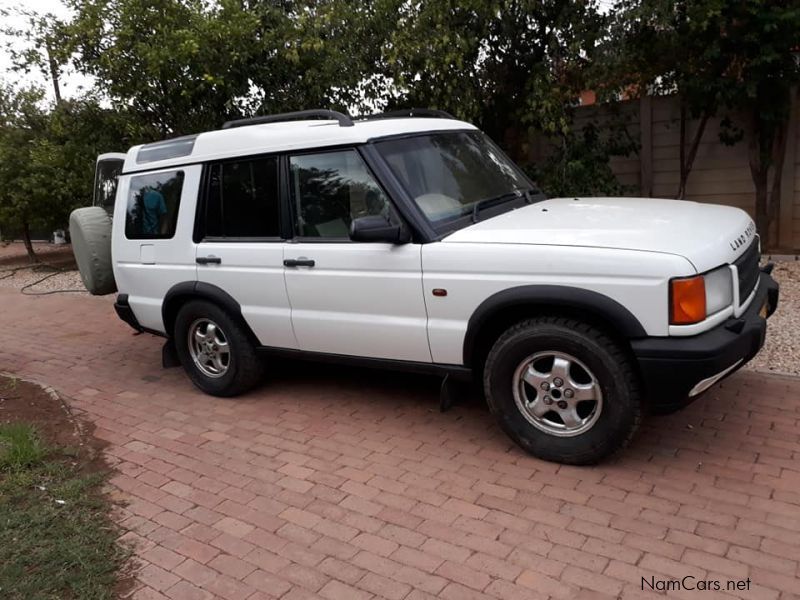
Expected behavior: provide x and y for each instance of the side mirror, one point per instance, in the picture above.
(377, 228)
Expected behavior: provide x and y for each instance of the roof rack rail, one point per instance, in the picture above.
(430, 113)
(344, 120)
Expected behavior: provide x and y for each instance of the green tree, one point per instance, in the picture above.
(35, 47)
(579, 165)
(178, 66)
(668, 47)
(762, 40)
(47, 155)
(326, 53)
(506, 64)
(187, 65)
(730, 58)
(22, 122)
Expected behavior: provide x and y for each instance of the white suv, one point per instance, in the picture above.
(410, 240)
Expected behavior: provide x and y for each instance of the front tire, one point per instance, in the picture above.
(214, 350)
(563, 390)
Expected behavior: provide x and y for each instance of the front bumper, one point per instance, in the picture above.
(676, 370)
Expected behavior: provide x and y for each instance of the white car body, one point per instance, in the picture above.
(606, 245)
(434, 298)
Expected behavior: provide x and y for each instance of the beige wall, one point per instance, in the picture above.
(721, 174)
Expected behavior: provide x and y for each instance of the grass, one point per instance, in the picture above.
(56, 539)
(20, 447)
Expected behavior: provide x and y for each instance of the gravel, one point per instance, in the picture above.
(781, 352)
(56, 269)
(69, 280)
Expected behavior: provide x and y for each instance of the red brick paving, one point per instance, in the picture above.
(344, 484)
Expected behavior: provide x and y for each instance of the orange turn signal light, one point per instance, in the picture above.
(688, 301)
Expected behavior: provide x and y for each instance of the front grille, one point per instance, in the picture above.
(747, 265)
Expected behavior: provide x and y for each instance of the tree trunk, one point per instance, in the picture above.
(778, 159)
(53, 73)
(682, 156)
(767, 149)
(687, 160)
(763, 216)
(758, 170)
(26, 239)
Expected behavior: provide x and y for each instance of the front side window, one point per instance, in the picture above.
(153, 200)
(447, 174)
(243, 199)
(329, 190)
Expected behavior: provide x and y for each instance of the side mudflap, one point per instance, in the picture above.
(169, 356)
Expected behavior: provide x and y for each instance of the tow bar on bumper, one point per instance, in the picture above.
(677, 370)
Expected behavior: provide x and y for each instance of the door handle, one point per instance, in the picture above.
(298, 262)
(208, 260)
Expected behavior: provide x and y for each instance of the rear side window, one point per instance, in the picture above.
(153, 201)
(243, 199)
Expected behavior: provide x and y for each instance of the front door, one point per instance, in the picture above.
(352, 298)
(240, 246)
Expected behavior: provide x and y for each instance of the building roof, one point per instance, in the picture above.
(275, 137)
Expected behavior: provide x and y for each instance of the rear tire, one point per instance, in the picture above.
(563, 390)
(215, 350)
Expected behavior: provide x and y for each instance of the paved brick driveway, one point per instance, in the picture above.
(347, 484)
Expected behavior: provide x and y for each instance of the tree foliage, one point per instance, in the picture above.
(188, 65)
(47, 156)
(732, 58)
(169, 67)
(22, 124)
(669, 47)
(499, 63)
(579, 164)
(762, 41)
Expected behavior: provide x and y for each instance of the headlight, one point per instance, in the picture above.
(719, 289)
(692, 299)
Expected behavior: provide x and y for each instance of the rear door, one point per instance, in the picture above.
(353, 298)
(240, 248)
(152, 242)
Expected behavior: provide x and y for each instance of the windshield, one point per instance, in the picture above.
(449, 174)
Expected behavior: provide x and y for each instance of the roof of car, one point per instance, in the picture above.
(276, 137)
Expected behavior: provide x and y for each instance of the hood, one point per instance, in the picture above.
(707, 235)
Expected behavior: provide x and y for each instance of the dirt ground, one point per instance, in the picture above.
(59, 428)
(12, 254)
(24, 401)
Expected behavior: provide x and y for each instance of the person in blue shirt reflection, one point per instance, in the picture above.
(154, 210)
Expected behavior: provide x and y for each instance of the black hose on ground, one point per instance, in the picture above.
(7, 273)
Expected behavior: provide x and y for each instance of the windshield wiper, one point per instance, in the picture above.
(487, 202)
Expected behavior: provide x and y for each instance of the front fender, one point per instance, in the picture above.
(554, 297)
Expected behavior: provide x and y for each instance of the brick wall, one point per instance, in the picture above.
(721, 173)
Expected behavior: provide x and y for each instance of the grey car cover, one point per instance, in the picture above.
(90, 230)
